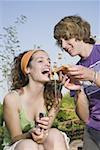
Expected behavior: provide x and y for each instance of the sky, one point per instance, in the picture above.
(42, 16)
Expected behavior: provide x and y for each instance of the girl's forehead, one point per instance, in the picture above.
(40, 54)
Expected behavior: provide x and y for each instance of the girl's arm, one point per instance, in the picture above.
(11, 114)
(53, 113)
(20, 137)
(11, 117)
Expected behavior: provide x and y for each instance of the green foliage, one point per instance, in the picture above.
(1, 114)
(1, 137)
(67, 120)
(1, 126)
(9, 44)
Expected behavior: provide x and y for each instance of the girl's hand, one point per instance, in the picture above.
(39, 136)
(43, 123)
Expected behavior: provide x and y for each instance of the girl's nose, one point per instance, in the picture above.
(47, 63)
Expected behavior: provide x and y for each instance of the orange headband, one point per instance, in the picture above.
(25, 60)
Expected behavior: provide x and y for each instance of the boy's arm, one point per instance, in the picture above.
(82, 106)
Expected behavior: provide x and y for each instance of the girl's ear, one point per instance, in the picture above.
(27, 70)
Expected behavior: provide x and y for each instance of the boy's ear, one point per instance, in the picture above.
(27, 70)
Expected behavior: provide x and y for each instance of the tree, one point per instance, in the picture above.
(9, 44)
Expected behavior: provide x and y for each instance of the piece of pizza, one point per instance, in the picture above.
(63, 68)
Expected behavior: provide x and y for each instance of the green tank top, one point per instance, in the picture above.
(25, 124)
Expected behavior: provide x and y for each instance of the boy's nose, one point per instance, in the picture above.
(64, 43)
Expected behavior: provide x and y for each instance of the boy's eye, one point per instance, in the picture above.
(59, 42)
(49, 62)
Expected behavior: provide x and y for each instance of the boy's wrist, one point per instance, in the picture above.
(80, 90)
(94, 77)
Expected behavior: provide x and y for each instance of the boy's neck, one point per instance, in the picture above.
(87, 49)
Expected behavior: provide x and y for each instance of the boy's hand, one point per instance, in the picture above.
(68, 83)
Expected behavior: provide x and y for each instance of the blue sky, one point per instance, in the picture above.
(42, 17)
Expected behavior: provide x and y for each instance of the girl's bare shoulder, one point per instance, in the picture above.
(11, 99)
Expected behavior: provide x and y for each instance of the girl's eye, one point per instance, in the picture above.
(40, 61)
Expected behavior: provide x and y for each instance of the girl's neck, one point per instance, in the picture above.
(35, 90)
